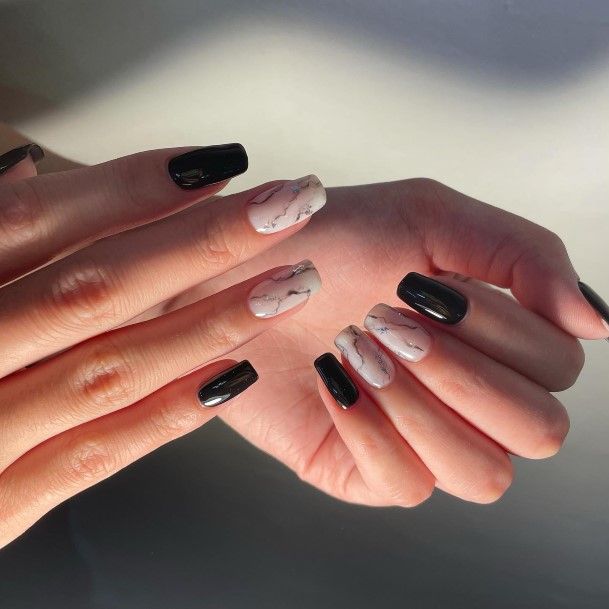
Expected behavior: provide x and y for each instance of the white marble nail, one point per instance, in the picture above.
(403, 335)
(284, 290)
(366, 357)
(286, 204)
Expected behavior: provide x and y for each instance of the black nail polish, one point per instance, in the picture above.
(227, 384)
(432, 298)
(336, 379)
(208, 165)
(16, 155)
(596, 302)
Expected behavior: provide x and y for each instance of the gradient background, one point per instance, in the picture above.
(505, 100)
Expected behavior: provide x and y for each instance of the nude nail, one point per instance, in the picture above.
(286, 204)
(399, 333)
(366, 357)
(284, 290)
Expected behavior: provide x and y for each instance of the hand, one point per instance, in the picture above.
(494, 370)
(87, 250)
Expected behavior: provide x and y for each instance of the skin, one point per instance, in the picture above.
(377, 232)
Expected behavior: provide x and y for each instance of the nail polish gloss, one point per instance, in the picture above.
(16, 155)
(432, 298)
(595, 301)
(336, 379)
(208, 165)
(227, 384)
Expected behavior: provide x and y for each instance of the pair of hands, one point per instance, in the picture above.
(117, 284)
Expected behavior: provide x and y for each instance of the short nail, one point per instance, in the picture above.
(284, 290)
(399, 333)
(596, 302)
(16, 155)
(432, 298)
(336, 379)
(208, 165)
(366, 357)
(227, 384)
(286, 204)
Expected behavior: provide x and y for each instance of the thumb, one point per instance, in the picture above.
(476, 239)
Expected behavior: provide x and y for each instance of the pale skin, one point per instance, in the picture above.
(130, 322)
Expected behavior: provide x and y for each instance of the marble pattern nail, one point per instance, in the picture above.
(284, 290)
(286, 204)
(399, 333)
(366, 357)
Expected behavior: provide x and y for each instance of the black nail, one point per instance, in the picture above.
(336, 379)
(432, 298)
(16, 155)
(208, 165)
(227, 384)
(597, 303)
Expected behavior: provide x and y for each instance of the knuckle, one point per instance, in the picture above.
(217, 336)
(208, 238)
(88, 457)
(169, 421)
(84, 292)
(104, 378)
(23, 216)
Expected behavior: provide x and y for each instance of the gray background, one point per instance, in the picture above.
(506, 100)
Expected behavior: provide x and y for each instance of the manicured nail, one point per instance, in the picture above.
(16, 155)
(286, 204)
(399, 333)
(208, 165)
(336, 379)
(432, 298)
(596, 302)
(227, 384)
(284, 290)
(366, 357)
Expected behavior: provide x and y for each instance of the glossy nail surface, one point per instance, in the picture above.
(366, 357)
(208, 165)
(284, 290)
(286, 204)
(336, 379)
(227, 384)
(16, 155)
(596, 302)
(399, 333)
(432, 298)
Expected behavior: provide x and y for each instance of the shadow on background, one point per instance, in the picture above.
(54, 51)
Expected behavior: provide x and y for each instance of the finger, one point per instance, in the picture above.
(470, 237)
(463, 461)
(518, 414)
(387, 470)
(117, 278)
(120, 367)
(81, 457)
(19, 163)
(494, 323)
(53, 214)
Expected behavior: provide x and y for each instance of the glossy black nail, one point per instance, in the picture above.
(16, 155)
(432, 298)
(227, 384)
(336, 379)
(208, 165)
(596, 302)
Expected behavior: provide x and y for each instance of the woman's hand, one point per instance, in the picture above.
(87, 250)
(482, 391)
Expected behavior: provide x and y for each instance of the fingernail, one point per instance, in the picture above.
(284, 290)
(366, 357)
(336, 379)
(399, 333)
(432, 298)
(596, 302)
(208, 165)
(16, 155)
(227, 384)
(286, 204)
